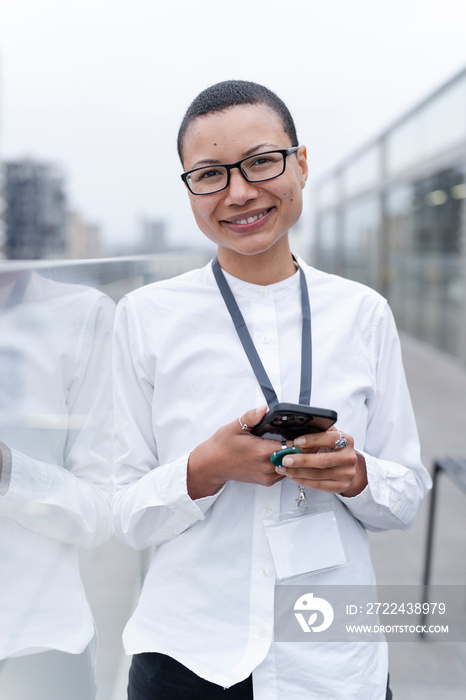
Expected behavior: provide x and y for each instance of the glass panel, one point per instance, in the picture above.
(363, 173)
(55, 427)
(327, 194)
(327, 236)
(439, 125)
(426, 286)
(361, 223)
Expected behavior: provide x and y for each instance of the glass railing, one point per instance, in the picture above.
(56, 320)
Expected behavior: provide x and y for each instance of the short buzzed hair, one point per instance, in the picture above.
(230, 93)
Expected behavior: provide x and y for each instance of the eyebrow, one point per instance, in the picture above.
(259, 148)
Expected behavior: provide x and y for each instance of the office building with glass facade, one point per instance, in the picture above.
(35, 210)
(393, 216)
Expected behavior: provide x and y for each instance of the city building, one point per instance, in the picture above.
(153, 236)
(393, 216)
(35, 210)
(84, 238)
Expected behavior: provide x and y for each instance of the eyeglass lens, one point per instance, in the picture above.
(255, 169)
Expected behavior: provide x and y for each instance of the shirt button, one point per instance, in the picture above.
(263, 293)
(267, 510)
(266, 338)
(264, 571)
(261, 631)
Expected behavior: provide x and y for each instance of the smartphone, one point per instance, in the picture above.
(286, 421)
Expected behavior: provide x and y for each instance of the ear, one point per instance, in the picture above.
(302, 164)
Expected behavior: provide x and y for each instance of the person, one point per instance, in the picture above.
(193, 481)
(55, 480)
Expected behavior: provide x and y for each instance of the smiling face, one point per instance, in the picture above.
(245, 219)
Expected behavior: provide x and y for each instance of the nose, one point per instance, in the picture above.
(239, 190)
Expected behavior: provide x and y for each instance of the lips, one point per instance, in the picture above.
(249, 220)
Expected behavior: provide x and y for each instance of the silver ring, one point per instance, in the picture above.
(341, 442)
(243, 425)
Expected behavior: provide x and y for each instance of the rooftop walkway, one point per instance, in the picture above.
(422, 669)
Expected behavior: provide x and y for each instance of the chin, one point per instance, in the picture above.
(261, 245)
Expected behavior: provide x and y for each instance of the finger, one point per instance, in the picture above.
(326, 459)
(332, 439)
(318, 465)
(335, 478)
(328, 485)
(251, 418)
(328, 471)
(315, 475)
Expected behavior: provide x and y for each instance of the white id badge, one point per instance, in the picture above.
(305, 544)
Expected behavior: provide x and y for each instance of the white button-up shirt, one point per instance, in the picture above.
(180, 374)
(55, 428)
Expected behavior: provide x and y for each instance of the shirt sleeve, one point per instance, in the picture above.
(397, 479)
(69, 501)
(151, 503)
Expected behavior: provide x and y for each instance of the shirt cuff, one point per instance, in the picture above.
(385, 500)
(205, 503)
(174, 490)
(372, 491)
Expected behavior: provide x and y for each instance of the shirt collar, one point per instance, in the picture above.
(277, 289)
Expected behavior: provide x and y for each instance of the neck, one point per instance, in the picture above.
(262, 269)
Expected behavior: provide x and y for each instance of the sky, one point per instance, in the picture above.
(100, 87)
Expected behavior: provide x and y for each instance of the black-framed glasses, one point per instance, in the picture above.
(257, 168)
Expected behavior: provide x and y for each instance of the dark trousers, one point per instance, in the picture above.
(389, 694)
(158, 677)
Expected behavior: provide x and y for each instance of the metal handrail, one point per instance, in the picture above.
(455, 468)
(105, 272)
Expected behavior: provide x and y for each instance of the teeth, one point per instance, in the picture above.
(249, 220)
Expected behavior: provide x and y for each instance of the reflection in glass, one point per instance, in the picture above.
(55, 399)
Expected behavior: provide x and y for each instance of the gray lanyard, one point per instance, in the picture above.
(248, 345)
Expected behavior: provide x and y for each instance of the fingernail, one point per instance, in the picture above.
(300, 441)
(280, 470)
(288, 461)
(261, 408)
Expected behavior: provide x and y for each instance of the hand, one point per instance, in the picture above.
(325, 468)
(232, 454)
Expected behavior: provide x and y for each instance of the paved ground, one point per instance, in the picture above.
(438, 389)
(419, 670)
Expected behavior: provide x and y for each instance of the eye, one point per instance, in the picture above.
(262, 160)
(207, 174)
